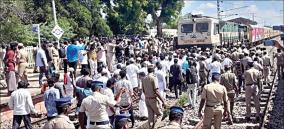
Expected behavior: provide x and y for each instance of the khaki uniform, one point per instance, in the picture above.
(23, 63)
(95, 107)
(266, 68)
(55, 58)
(215, 95)
(59, 122)
(229, 80)
(172, 125)
(149, 86)
(280, 64)
(251, 77)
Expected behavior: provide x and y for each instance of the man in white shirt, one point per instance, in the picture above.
(41, 62)
(83, 58)
(227, 61)
(161, 77)
(132, 73)
(21, 104)
(103, 78)
(108, 92)
(101, 56)
(214, 67)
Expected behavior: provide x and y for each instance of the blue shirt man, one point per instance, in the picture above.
(49, 100)
(73, 52)
(185, 65)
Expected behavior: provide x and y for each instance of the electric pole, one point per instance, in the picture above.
(219, 21)
(218, 10)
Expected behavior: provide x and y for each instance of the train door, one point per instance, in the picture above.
(215, 34)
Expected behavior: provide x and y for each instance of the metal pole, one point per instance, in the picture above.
(38, 36)
(55, 19)
(219, 19)
(54, 12)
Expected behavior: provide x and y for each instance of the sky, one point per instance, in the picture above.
(266, 12)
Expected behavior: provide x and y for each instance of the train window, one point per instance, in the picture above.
(202, 27)
(187, 28)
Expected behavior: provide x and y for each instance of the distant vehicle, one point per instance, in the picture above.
(203, 31)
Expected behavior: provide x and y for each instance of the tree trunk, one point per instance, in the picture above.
(159, 27)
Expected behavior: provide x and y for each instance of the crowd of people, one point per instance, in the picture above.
(113, 72)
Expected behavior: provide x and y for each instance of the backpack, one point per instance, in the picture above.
(61, 52)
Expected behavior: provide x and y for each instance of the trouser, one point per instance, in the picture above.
(252, 91)
(100, 64)
(280, 71)
(240, 82)
(42, 71)
(266, 74)
(22, 71)
(213, 112)
(17, 120)
(153, 108)
(65, 65)
(84, 66)
(178, 90)
(231, 96)
(203, 78)
(11, 81)
(51, 69)
(56, 63)
(111, 120)
(170, 84)
(110, 61)
(130, 111)
(192, 93)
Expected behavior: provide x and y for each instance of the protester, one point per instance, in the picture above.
(62, 121)
(50, 96)
(22, 105)
(10, 63)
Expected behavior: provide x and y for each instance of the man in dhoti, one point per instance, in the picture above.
(110, 56)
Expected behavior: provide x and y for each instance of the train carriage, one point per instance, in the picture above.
(201, 32)
(206, 31)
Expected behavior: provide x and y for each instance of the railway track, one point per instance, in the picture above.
(39, 123)
(265, 100)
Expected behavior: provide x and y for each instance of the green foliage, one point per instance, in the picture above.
(182, 100)
(127, 16)
(12, 30)
(82, 18)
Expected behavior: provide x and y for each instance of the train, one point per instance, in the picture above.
(204, 31)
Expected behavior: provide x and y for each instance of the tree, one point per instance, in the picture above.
(127, 16)
(170, 10)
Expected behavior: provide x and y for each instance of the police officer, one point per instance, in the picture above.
(280, 62)
(95, 106)
(121, 121)
(266, 67)
(22, 62)
(229, 80)
(62, 121)
(175, 117)
(151, 90)
(251, 78)
(215, 96)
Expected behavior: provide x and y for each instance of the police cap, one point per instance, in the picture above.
(176, 109)
(63, 101)
(97, 84)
